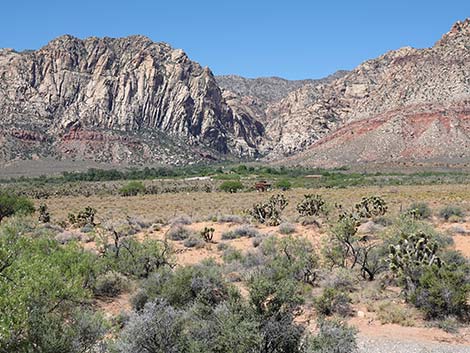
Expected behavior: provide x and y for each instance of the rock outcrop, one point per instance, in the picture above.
(407, 105)
(116, 99)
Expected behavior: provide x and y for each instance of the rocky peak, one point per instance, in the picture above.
(460, 31)
(131, 85)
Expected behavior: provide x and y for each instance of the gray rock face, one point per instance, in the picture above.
(131, 96)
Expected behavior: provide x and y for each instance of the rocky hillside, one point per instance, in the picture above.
(409, 105)
(116, 100)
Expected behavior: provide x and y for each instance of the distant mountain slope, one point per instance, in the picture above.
(407, 105)
(133, 101)
(116, 100)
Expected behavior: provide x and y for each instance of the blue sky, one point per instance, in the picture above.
(293, 39)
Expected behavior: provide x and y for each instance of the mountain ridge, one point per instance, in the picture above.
(131, 100)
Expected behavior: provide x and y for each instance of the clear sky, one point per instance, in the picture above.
(292, 38)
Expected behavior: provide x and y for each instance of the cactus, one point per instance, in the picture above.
(371, 206)
(311, 205)
(44, 215)
(208, 234)
(408, 259)
(269, 212)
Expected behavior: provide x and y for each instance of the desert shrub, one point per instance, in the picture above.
(231, 186)
(208, 234)
(179, 232)
(110, 284)
(12, 204)
(194, 241)
(451, 212)
(419, 210)
(391, 313)
(231, 254)
(292, 258)
(157, 328)
(341, 279)
(449, 324)
(312, 206)
(257, 240)
(135, 258)
(202, 283)
(44, 215)
(133, 188)
(405, 225)
(286, 228)
(284, 184)
(372, 206)
(241, 231)
(332, 301)
(87, 228)
(41, 282)
(443, 292)
(333, 337)
(229, 219)
(345, 248)
(270, 211)
(181, 220)
(67, 237)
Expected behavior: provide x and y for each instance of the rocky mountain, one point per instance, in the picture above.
(116, 100)
(131, 100)
(409, 105)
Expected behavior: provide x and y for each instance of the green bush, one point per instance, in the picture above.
(332, 302)
(133, 188)
(443, 292)
(43, 290)
(11, 204)
(110, 284)
(231, 186)
(451, 211)
(419, 210)
(333, 337)
(284, 184)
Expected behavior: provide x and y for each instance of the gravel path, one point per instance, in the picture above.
(379, 345)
